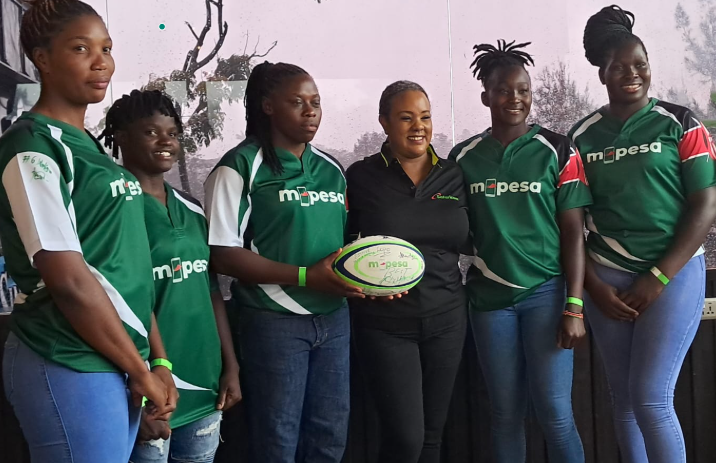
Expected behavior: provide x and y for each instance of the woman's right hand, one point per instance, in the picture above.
(151, 386)
(321, 277)
(606, 298)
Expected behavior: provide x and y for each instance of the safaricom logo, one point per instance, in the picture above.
(309, 198)
(180, 270)
(491, 187)
(612, 154)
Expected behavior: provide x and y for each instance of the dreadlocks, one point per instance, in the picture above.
(607, 31)
(263, 81)
(46, 18)
(488, 58)
(130, 108)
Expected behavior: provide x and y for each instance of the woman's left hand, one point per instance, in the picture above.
(388, 298)
(571, 330)
(645, 289)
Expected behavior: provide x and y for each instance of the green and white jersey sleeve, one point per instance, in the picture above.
(60, 192)
(296, 218)
(641, 173)
(178, 237)
(515, 194)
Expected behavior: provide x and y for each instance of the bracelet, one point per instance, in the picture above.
(573, 314)
(302, 276)
(575, 301)
(161, 363)
(657, 273)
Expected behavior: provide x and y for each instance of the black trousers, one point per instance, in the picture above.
(409, 366)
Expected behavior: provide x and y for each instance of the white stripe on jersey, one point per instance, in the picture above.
(666, 113)
(696, 156)
(548, 145)
(123, 310)
(42, 220)
(224, 189)
(324, 156)
(467, 148)
(585, 125)
(56, 133)
(611, 242)
(279, 296)
(189, 205)
(181, 384)
(480, 264)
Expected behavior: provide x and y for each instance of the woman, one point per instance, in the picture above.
(651, 172)
(277, 214)
(144, 127)
(409, 351)
(74, 365)
(526, 193)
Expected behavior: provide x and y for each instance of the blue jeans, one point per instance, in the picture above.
(643, 358)
(68, 416)
(195, 442)
(518, 352)
(295, 379)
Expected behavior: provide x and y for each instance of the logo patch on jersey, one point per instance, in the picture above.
(179, 270)
(309, 198)
(123, 186)
(442, 196)
(492, 188)
(612, 154)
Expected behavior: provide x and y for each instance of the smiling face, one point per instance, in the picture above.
(508, 94)
(78, 64)
(150, 145)
(409, 125)
(627, 75)
(295, 109)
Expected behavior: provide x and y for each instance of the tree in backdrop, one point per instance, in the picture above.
(368, 143)
(557, 102)
(199, 93)
(699, 56)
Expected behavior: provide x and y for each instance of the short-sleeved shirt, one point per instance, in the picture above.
(297, 218)
(178, 237)
(515, 195)
(61, 192)
(432, 216)
(641, 172)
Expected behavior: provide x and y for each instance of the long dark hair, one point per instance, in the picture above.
(488, 58)
(607, 31)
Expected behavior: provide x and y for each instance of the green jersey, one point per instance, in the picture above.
(60, 192)
(178, 237)
(641, 172)
(514, 197)
(297, 217)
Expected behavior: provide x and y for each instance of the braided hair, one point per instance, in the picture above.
(607, 31)
(46, 18)
(488, 58)
(133, 107)
(265, 79)
(393, 90)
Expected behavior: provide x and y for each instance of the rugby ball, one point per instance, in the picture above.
(380, 265)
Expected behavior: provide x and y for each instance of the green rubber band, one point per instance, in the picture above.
(575, 301)
(161, 363)
(662, 278)
(302, 276)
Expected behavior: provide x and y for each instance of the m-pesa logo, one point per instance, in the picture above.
(122, 186)
(612, 154)
(179, 270)
(309, 198)
(491, 187)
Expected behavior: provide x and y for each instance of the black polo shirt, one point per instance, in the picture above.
(382, 200)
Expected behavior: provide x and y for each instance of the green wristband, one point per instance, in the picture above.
(662, 278)
(161, 363)
(301, 276)
(575, 301)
